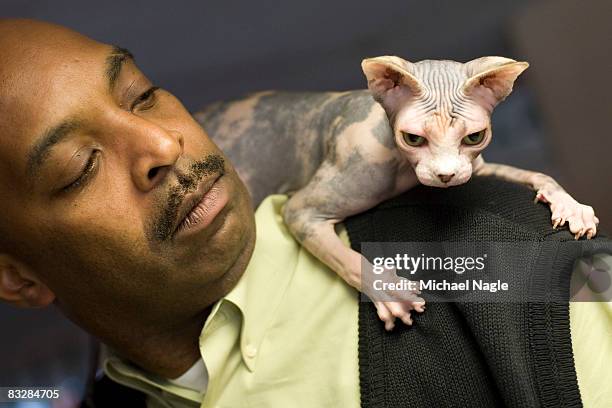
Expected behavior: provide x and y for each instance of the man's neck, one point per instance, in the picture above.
(168, 353)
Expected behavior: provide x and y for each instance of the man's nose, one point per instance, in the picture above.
(157, 153)
(445, 178)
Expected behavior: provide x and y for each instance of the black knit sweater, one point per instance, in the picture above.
(469, 354)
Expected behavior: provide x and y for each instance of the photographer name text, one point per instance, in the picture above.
(441, 285)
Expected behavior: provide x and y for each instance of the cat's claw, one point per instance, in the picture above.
(539, 197)
(389, 311)
(390, 304)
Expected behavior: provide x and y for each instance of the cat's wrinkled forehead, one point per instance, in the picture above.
(440, 74)
(442, 83)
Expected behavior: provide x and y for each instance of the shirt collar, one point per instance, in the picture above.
(123, 372)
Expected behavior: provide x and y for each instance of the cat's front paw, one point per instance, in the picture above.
(395, 297)
(389, 311)
(581, 218)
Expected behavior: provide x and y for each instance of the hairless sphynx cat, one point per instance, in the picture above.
(341, 153)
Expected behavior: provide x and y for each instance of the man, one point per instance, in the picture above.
(99, 169)
(118, 208)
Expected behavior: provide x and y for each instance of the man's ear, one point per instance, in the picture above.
(20, 287)
(494, 73)
(391, 81)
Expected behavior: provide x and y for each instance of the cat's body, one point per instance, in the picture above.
(341, 153)
(278, 140)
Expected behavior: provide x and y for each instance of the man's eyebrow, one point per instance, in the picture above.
(45, 143)
(114, 63)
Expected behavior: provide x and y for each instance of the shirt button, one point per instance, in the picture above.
(250, 351)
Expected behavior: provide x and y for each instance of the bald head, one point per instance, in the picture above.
(33, 35)
(32, 52)
(26, 43)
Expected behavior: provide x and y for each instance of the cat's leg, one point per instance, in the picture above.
(581, 218)
(332, 195)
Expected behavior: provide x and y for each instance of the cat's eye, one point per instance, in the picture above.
(474, 138)
(413, 140)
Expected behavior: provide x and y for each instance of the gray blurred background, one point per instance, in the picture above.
(207, 51)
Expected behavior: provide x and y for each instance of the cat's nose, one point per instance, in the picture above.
(445, 178)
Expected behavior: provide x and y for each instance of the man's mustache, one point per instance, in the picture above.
(163, 227)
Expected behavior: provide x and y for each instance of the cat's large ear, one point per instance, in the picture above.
(391, 81)
(494, 73)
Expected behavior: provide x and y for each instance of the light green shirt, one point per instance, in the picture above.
(286, 336)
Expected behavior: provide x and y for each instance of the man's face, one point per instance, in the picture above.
(98, 171)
